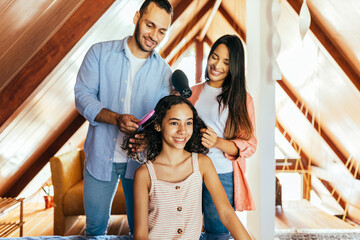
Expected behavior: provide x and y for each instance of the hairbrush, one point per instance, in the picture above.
(147, 119)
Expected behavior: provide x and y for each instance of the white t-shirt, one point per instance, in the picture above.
(208, 109)
(135, 65)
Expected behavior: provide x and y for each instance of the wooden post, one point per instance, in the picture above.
(199, 48)
(306, 186)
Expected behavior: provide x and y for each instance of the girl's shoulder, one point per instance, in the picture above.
(142, 172)
(204, 161)
(202, 157)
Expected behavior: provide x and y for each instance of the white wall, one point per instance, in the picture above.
(261, 167)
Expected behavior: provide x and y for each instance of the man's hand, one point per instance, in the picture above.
(127, 123)
(209, 137)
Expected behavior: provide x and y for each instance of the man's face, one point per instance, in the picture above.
(151, 27)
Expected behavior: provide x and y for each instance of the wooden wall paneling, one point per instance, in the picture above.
(333, 47)
(29, 78)
(285, 86)
(37, 121)
(5, 4)
(28, 28)
(58, 139)
(17, 18)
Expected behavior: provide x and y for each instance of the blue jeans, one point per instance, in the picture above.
(98, 198)
(213, 228)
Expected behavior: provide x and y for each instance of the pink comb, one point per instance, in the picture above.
(146, 117)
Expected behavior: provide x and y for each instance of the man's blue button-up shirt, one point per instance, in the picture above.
(101, 83)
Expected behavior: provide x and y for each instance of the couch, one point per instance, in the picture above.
(67, 177)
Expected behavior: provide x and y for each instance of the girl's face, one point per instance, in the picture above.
(177, 126)
(218, 66)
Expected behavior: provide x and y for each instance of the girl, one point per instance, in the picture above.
(228, 111)
(168, 187)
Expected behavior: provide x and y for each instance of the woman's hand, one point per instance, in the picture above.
(210, 140)
(209, 137)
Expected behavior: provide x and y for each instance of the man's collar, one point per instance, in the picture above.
(121, 48)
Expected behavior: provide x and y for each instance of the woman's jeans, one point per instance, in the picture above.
(98, 198)
(213, 227)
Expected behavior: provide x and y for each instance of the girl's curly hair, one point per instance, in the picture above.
(153, 138)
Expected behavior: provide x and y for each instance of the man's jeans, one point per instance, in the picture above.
(213, 227)
(98, 198)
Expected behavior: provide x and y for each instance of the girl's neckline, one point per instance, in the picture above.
(177, 182)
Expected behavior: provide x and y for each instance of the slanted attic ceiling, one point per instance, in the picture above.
(44, 42)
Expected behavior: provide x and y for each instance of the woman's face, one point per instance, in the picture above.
(177, 126)
(218, 66)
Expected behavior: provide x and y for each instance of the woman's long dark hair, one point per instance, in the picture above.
(234, 93)
(153, 138)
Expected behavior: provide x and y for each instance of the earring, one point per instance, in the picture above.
(157, 128)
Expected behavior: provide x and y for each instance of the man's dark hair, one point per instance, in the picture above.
(163, 4)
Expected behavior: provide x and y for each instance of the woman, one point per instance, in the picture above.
(228, 110)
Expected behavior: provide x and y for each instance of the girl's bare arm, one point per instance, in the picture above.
(141, 201)
(226, 212)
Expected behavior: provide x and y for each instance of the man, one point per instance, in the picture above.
(117, 84)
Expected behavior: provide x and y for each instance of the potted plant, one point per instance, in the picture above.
(49, 196)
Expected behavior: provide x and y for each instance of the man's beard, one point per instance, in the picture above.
(137, 38)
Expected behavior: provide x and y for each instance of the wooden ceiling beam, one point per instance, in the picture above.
(332, 46)
(232, 22)
(186, 29)
(206, 27)
(208, 41)
(186, 46)
(302, 165)
(294, 144)
(306, 159)
(286, 87)
(181, 51)
(199, 56)
(41, 65)
(336, 195)
(292, 164)
(59, 139)
(180, 8)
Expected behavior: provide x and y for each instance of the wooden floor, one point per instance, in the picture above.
(303, 215)
(39, 221)
(293, 215)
